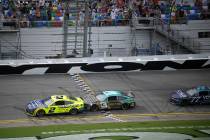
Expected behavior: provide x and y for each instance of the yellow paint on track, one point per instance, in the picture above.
(99, 117)
(50, 118)
(162, 114)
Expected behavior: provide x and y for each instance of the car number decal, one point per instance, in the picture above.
(195, 99)
(206, 97)
(52, 109)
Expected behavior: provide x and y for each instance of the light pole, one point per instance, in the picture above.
(1, 15)
(76, 28)
(65, 29)
(171, 5)
(0, 51)
(86, 21)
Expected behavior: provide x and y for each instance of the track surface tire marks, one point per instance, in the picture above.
(151, 88)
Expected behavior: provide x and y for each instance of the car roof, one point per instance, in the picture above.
(112, 93)
(201, 88)
(59, 97)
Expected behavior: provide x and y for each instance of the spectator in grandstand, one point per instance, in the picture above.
(177, 12)
(199, 4)
(113, 17)
(105, 12)
(94, 19)
(53, 10)
(81, 17)
(119, 17)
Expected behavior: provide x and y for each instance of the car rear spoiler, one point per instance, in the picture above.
(130, 94)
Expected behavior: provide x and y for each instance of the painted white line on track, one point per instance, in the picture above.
(111, 116)
(137, 135)
(127, 129)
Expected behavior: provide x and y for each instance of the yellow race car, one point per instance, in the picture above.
(55, 104)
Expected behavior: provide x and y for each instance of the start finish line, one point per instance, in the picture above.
(106, 64)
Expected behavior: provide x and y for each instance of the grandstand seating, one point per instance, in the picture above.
(53, 10)
(104, 12)
(26, 13)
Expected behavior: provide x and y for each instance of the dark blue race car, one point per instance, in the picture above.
(196, 95)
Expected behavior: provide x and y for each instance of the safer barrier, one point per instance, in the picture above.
(108, 64)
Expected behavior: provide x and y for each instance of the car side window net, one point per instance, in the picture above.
(112, 98)
(59, 103)
(72, 98)
(68, 102)
(203, 93)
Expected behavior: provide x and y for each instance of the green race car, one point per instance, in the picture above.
(55, 104)
(112, 99)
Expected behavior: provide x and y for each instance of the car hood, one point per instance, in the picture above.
(179, 94)
(35, 104)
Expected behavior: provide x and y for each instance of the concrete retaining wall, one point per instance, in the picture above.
(108, 64)
(45, 42)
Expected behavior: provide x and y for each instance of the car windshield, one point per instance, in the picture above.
(191, 92)
(48, 101)
(101, 97)
(72, 98)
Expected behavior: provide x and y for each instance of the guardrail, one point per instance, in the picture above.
(106, 64)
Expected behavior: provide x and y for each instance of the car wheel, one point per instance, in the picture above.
(40, 113)
(125, 106)
(73, 111)
(133, 105)
(94, 108)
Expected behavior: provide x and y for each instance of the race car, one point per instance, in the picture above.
(196, 95)
(109, 100)
(55, 104)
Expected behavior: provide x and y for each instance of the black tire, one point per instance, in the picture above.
(40, 113)
(87, 107)
(134, 105)
(125, 106)
(94, 108)
(73, 111)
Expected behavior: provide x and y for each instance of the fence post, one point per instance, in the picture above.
(0, 51)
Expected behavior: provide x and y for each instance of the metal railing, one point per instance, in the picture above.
(15, 24)
(9, 24)
(143, 22)
(177, 36)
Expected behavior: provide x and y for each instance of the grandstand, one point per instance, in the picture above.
(103, 28)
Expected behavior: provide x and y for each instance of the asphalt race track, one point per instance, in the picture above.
(151, 89)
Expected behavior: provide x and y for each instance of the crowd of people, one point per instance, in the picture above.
(27, 11)
(176, 10)
(103, 12)
(111, 12)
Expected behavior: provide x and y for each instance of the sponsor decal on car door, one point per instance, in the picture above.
(57, 107)
(103, 105)
(113, 102)
(205, 95)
